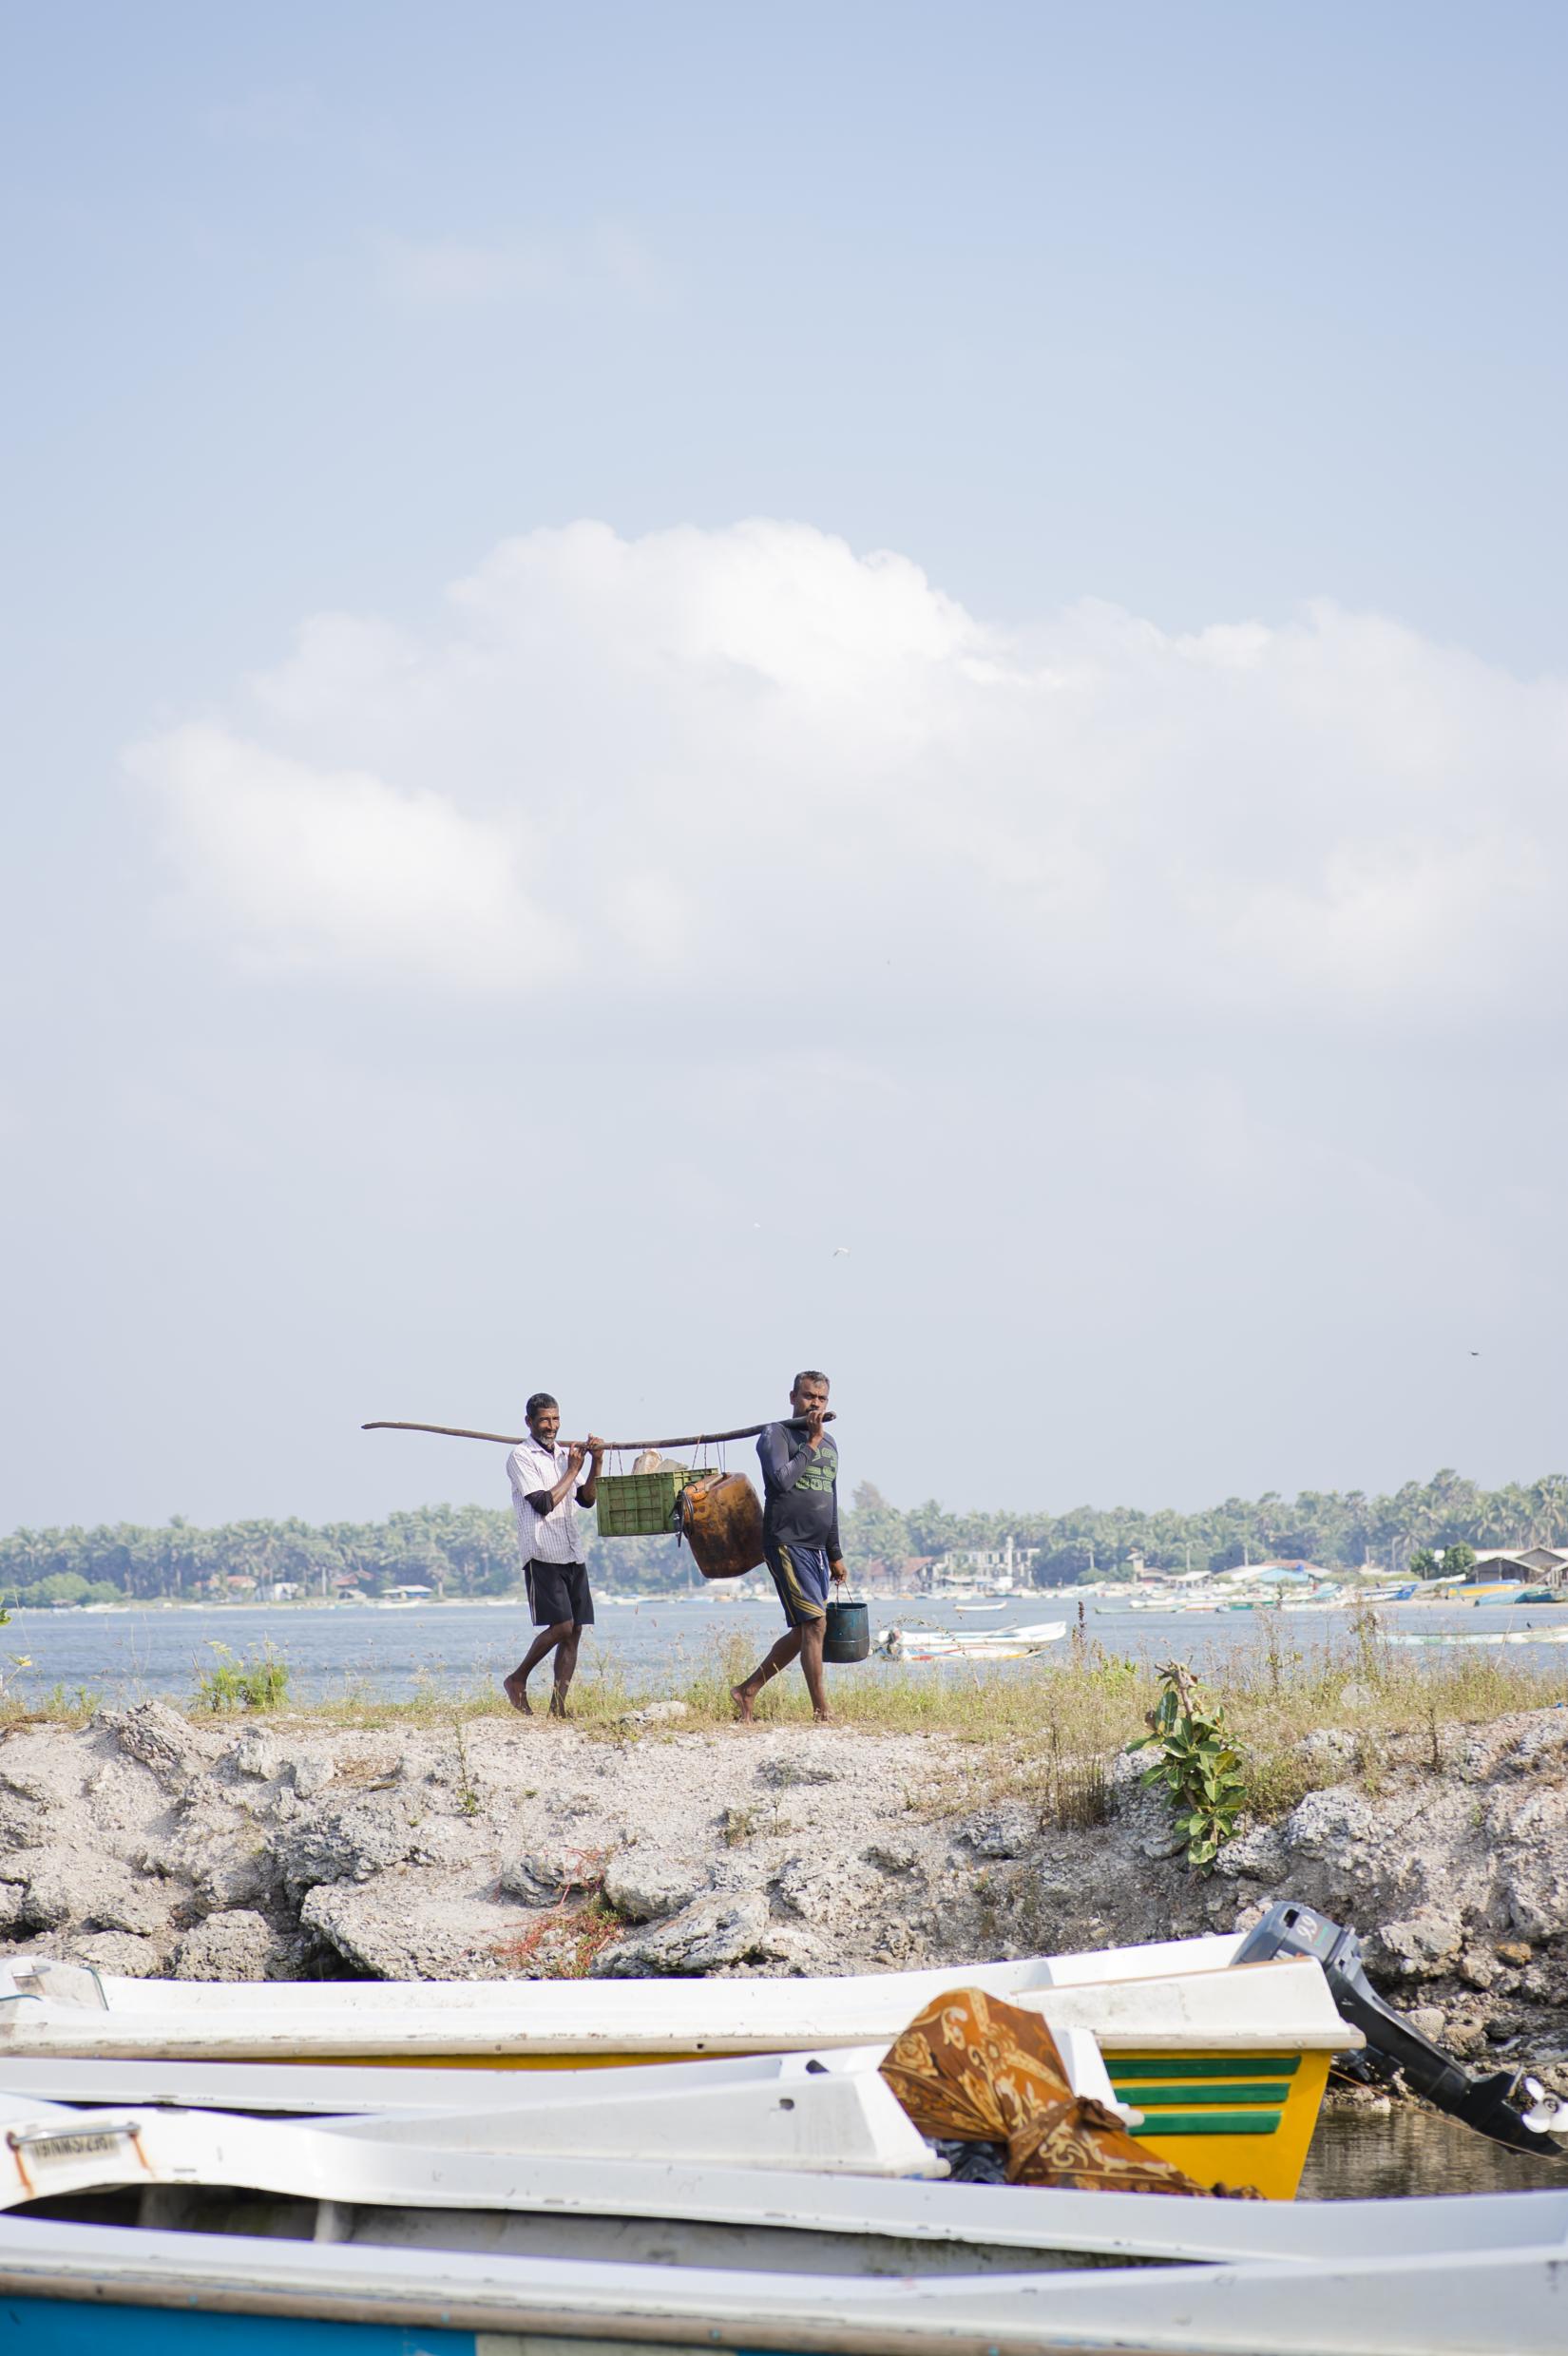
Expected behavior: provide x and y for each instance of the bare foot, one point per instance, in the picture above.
(823, 1718)
(557, 1704)
(742, 1699)
(516, 1692)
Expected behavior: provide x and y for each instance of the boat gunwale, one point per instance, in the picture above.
(347, 2050)
(1200, 1957)
(469, 2025)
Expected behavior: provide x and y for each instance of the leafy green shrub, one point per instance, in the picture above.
(1198, 1764)
(258, 1682)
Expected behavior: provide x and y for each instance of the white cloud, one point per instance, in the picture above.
(307, 869)
(715, 756)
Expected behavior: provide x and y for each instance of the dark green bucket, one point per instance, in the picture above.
(848, 1636)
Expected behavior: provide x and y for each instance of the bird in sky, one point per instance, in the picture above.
(841, 1251)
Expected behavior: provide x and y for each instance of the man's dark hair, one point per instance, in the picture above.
(537, 1405)
(809, 1374)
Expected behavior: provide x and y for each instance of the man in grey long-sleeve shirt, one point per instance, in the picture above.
(800, 1538)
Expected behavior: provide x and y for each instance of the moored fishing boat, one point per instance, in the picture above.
(1228, 2061)
(1223, 2044)
(68, 2289)
(371, 2181)
(470, 2182)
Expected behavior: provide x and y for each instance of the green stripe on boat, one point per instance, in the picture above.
(1154, 2097)
(1173, 2065)
(1211, 2123)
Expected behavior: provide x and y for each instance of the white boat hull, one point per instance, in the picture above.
(70, 2291)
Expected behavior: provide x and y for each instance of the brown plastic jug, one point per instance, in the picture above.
(722, 1521)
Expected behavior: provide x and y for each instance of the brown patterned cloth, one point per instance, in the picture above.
(974, 2070)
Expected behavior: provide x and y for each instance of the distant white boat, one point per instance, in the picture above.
(913, 1644)
(998, 1605)
(1511, 1636)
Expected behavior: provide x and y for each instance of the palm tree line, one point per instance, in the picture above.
(471, 1550)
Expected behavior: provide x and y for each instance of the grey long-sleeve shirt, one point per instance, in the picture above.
(800, 1489)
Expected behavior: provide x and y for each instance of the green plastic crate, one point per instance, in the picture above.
(641, 1505)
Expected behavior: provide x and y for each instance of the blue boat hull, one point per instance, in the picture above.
(92, 2327)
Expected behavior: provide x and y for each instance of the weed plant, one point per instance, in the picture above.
(1197, 1763)
(257, 1681)
(563, 1944)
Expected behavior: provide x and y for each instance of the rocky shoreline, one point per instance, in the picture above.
(149, 1845)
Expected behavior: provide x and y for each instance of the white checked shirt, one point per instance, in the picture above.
(545, 1537)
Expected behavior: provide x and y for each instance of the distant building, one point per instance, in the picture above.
(909, 1575)
(1546, 1566)
(971, 1568)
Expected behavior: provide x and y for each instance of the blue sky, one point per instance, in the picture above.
(1205, 310)
(1179, 1061)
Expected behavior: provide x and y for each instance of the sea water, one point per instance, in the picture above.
(125, 1653)
(1358, 2155)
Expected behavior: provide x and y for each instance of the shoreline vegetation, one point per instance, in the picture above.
(470, 1552)
(1345, 1707)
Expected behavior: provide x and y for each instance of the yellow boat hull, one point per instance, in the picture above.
(1229, 2120)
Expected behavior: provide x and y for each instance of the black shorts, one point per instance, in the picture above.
(803, 1576)
(558, 1591)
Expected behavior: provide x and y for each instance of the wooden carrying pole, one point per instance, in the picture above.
(514, 1439)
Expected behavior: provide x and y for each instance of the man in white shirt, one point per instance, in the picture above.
(545, 1495)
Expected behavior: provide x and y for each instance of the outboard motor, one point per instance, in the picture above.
(1491, 2104)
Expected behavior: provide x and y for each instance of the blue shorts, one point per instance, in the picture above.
(802, 1577)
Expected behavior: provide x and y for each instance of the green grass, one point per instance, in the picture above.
(61, 1706)
(1048, 1732)
(257, 1681)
